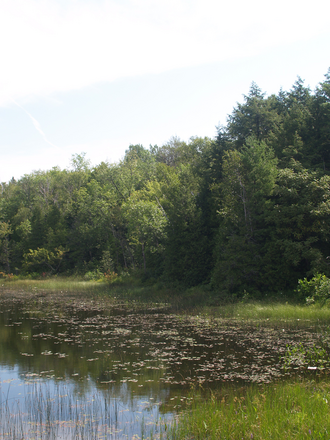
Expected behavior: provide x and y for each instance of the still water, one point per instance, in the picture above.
(76, 368)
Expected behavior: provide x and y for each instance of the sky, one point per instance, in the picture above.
(95, 76)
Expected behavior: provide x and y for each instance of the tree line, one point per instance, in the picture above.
(247, 211)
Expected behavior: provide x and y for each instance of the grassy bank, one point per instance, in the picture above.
(127, 288)
(297, 410)
(275, 311)
(55, 284)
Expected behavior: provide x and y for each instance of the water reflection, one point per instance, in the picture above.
(36, 408)
(119, 371)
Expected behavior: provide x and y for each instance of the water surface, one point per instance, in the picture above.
(78, 368)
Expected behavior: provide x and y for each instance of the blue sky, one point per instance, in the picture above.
(96, 76)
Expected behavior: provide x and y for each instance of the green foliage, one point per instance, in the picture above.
(247, 211)
(79, 162)
(93, 275)
(316, 289)
(257, 117)
(106, 261)
(303, 356)
(43, 259)
(287, 410)
(146, 224)
(248, 181)
(186, 257)
(5, 232)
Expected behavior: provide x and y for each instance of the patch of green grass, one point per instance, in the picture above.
(127, 291)
(55, 284)
(298, 410)
(274, 312)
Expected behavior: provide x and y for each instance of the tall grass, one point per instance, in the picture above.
(298, 410)
(55, 284)
(278, 411)
(128, 291)
(53, 412)
(274, 312)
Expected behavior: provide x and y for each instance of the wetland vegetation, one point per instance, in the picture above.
(88, 360)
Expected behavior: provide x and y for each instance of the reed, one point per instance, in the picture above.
(298, 410)
(275, 313)
(53, 412)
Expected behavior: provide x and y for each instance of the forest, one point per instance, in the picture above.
(247, 211)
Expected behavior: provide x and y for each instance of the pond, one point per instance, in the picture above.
(75, 367)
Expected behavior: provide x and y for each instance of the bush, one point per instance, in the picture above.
(6, 276)
(316, 290)
(93, 275)
(110, 276)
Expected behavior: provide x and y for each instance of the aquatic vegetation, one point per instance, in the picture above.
(283, 410)
(93, 344)
(310, 357)
(278, 313)
(53, 410)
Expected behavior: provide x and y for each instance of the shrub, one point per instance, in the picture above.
(315, 290)
(6, 276)
(110, 276)
(93, 275)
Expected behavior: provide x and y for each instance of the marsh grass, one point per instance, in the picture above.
(300, 410)
(273, 313)
(70, 289)
(56, 284)
(53, 413)
(297, 410)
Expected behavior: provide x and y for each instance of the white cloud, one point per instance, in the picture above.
(50, 46)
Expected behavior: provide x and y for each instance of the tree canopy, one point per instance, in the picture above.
(245, 211)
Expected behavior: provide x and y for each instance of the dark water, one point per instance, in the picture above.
(81, 370)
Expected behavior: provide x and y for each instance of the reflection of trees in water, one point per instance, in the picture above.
(54, 410)
(121, 352)
(91, 351)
